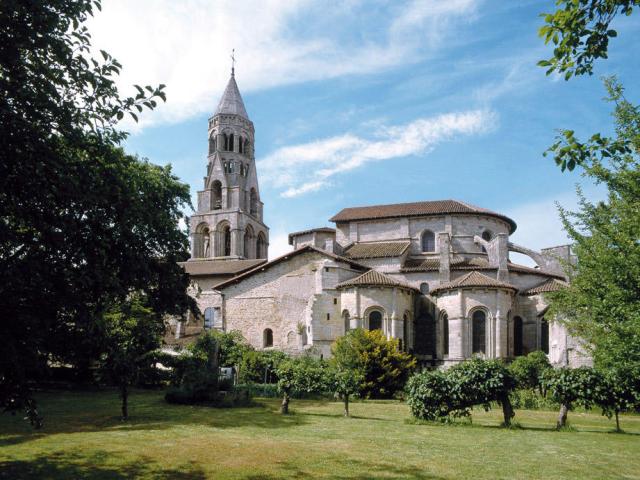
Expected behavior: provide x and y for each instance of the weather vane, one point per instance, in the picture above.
(233, 61)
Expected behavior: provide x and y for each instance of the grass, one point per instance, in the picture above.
(84, 439)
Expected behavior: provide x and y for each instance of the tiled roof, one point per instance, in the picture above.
(287, 256)
(473, 279)
(474, 263)
(220, 267)
(231, 101)
(551, 285)
(435, 207)
(311, 230)
(377, 250)
(375, 278)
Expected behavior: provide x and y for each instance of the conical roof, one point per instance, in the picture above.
(231, 102)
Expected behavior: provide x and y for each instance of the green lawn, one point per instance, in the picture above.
(83, 438)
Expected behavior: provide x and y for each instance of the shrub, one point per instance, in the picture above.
(528, 370)
(300, 375)
(429, 395)
(385, 369)
(233, 347)
(260, 366)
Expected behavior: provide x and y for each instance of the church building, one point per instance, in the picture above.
(435, 274)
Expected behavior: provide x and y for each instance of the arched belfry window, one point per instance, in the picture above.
(225, 137)
(216, 195)
(517, 336)
(202, 247)
(424, 288)
(247, 146)
(375, 320)
(253, 202)
(226, 234)
(479, 329)
(212, 144)
(261, 246)
(267, 338)
(248, 240)
(231, 142)
(240, 145)
(428, 241)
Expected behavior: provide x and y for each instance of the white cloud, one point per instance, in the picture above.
(279, 245)
(305, 168)
(186, 44)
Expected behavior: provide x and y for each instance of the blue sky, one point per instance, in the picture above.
(365, 103)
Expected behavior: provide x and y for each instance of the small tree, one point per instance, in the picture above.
(430, 395)
(573, 386)
(233, 346)
(260, 366)
(132, 331)
(345, 382)
(300, 375)
(621, 393)
(527, 371)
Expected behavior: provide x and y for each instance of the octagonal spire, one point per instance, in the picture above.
(231, 102)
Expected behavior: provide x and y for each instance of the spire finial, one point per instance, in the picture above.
(233, 61)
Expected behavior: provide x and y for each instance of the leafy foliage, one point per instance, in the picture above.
(621, 392)
(300, 375)
(385, 369)
(83, 224)
(260, 366)
(528, 370)
(602, 303)
(580, 32)
(346, 373)
(233, 347)
(440, 395)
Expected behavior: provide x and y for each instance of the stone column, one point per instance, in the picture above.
(236, 235)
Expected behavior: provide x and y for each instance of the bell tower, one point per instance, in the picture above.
(228, 223)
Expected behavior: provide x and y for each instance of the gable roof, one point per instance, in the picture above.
(434, 207)
(375, 279)
(474, 263)
(377, 250)
(551, 285)
(220, 267)
(473, 279)
(287, 256)
(231, 102)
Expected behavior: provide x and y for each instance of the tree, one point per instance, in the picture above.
(579, 30)
(298, 376)
(384, 366)
(260, 366)
(602, 303)
(528, 370)
(233, 346)
(621, 392)
(346, 373)
(83, 223)
(132, 331)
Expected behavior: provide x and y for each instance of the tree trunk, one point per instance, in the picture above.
(346, 405)
(562, 416)
(124, 395)
(618, 421)
(507, 410)
(284, 407)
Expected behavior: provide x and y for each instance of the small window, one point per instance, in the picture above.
(328, 316)
(267, 338)
(487, 235)
(424, 288)
(478, 326)
(445, 334)
(544, 336)
(428, 241)
(335, 301)
(375, 320)
(209, 318)
(517, 336)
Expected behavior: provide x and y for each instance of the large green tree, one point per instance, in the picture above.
(580, 32)
(83, 223)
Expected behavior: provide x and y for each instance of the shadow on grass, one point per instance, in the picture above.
(70, 466)
(363, 471)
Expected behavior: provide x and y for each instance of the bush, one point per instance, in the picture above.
(439, 395)
(233, 347)
(528, 370)
(302, 375)
(260, 366)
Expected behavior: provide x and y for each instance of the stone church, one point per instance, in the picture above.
(435, 275)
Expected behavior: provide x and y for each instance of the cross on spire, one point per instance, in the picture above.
(233, 61)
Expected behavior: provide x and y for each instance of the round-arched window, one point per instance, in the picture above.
(428, 241)
(424, 288)
(375, 320)
(478, 326)
(267, 338)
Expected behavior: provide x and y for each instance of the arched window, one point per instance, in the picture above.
(346, 319)
(486, 236)
(240, 144)
(231, 142)
(225, 238)
(209, 318)
(428, 241)
(478, 326)
(226, 141)
(405, 330)
(261, 246)
(212, 144)
(424, 288)
(248, 238)
(202, 238)
(267, 338)
(247, 146)
(216, 195)
(253, 202)
(517, 336)
(445, 334)
(375, 320)
(544, 336)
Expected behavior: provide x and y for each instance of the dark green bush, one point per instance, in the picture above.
(260, 366)
(528, 370)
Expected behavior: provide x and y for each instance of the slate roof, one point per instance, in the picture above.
(473, 279)
(311, 230)
(220, 267)
(474, 263)
(287, 256)
(231, 101)
(375, 278)
(377, 250)
(434, 207)
(551, 285)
